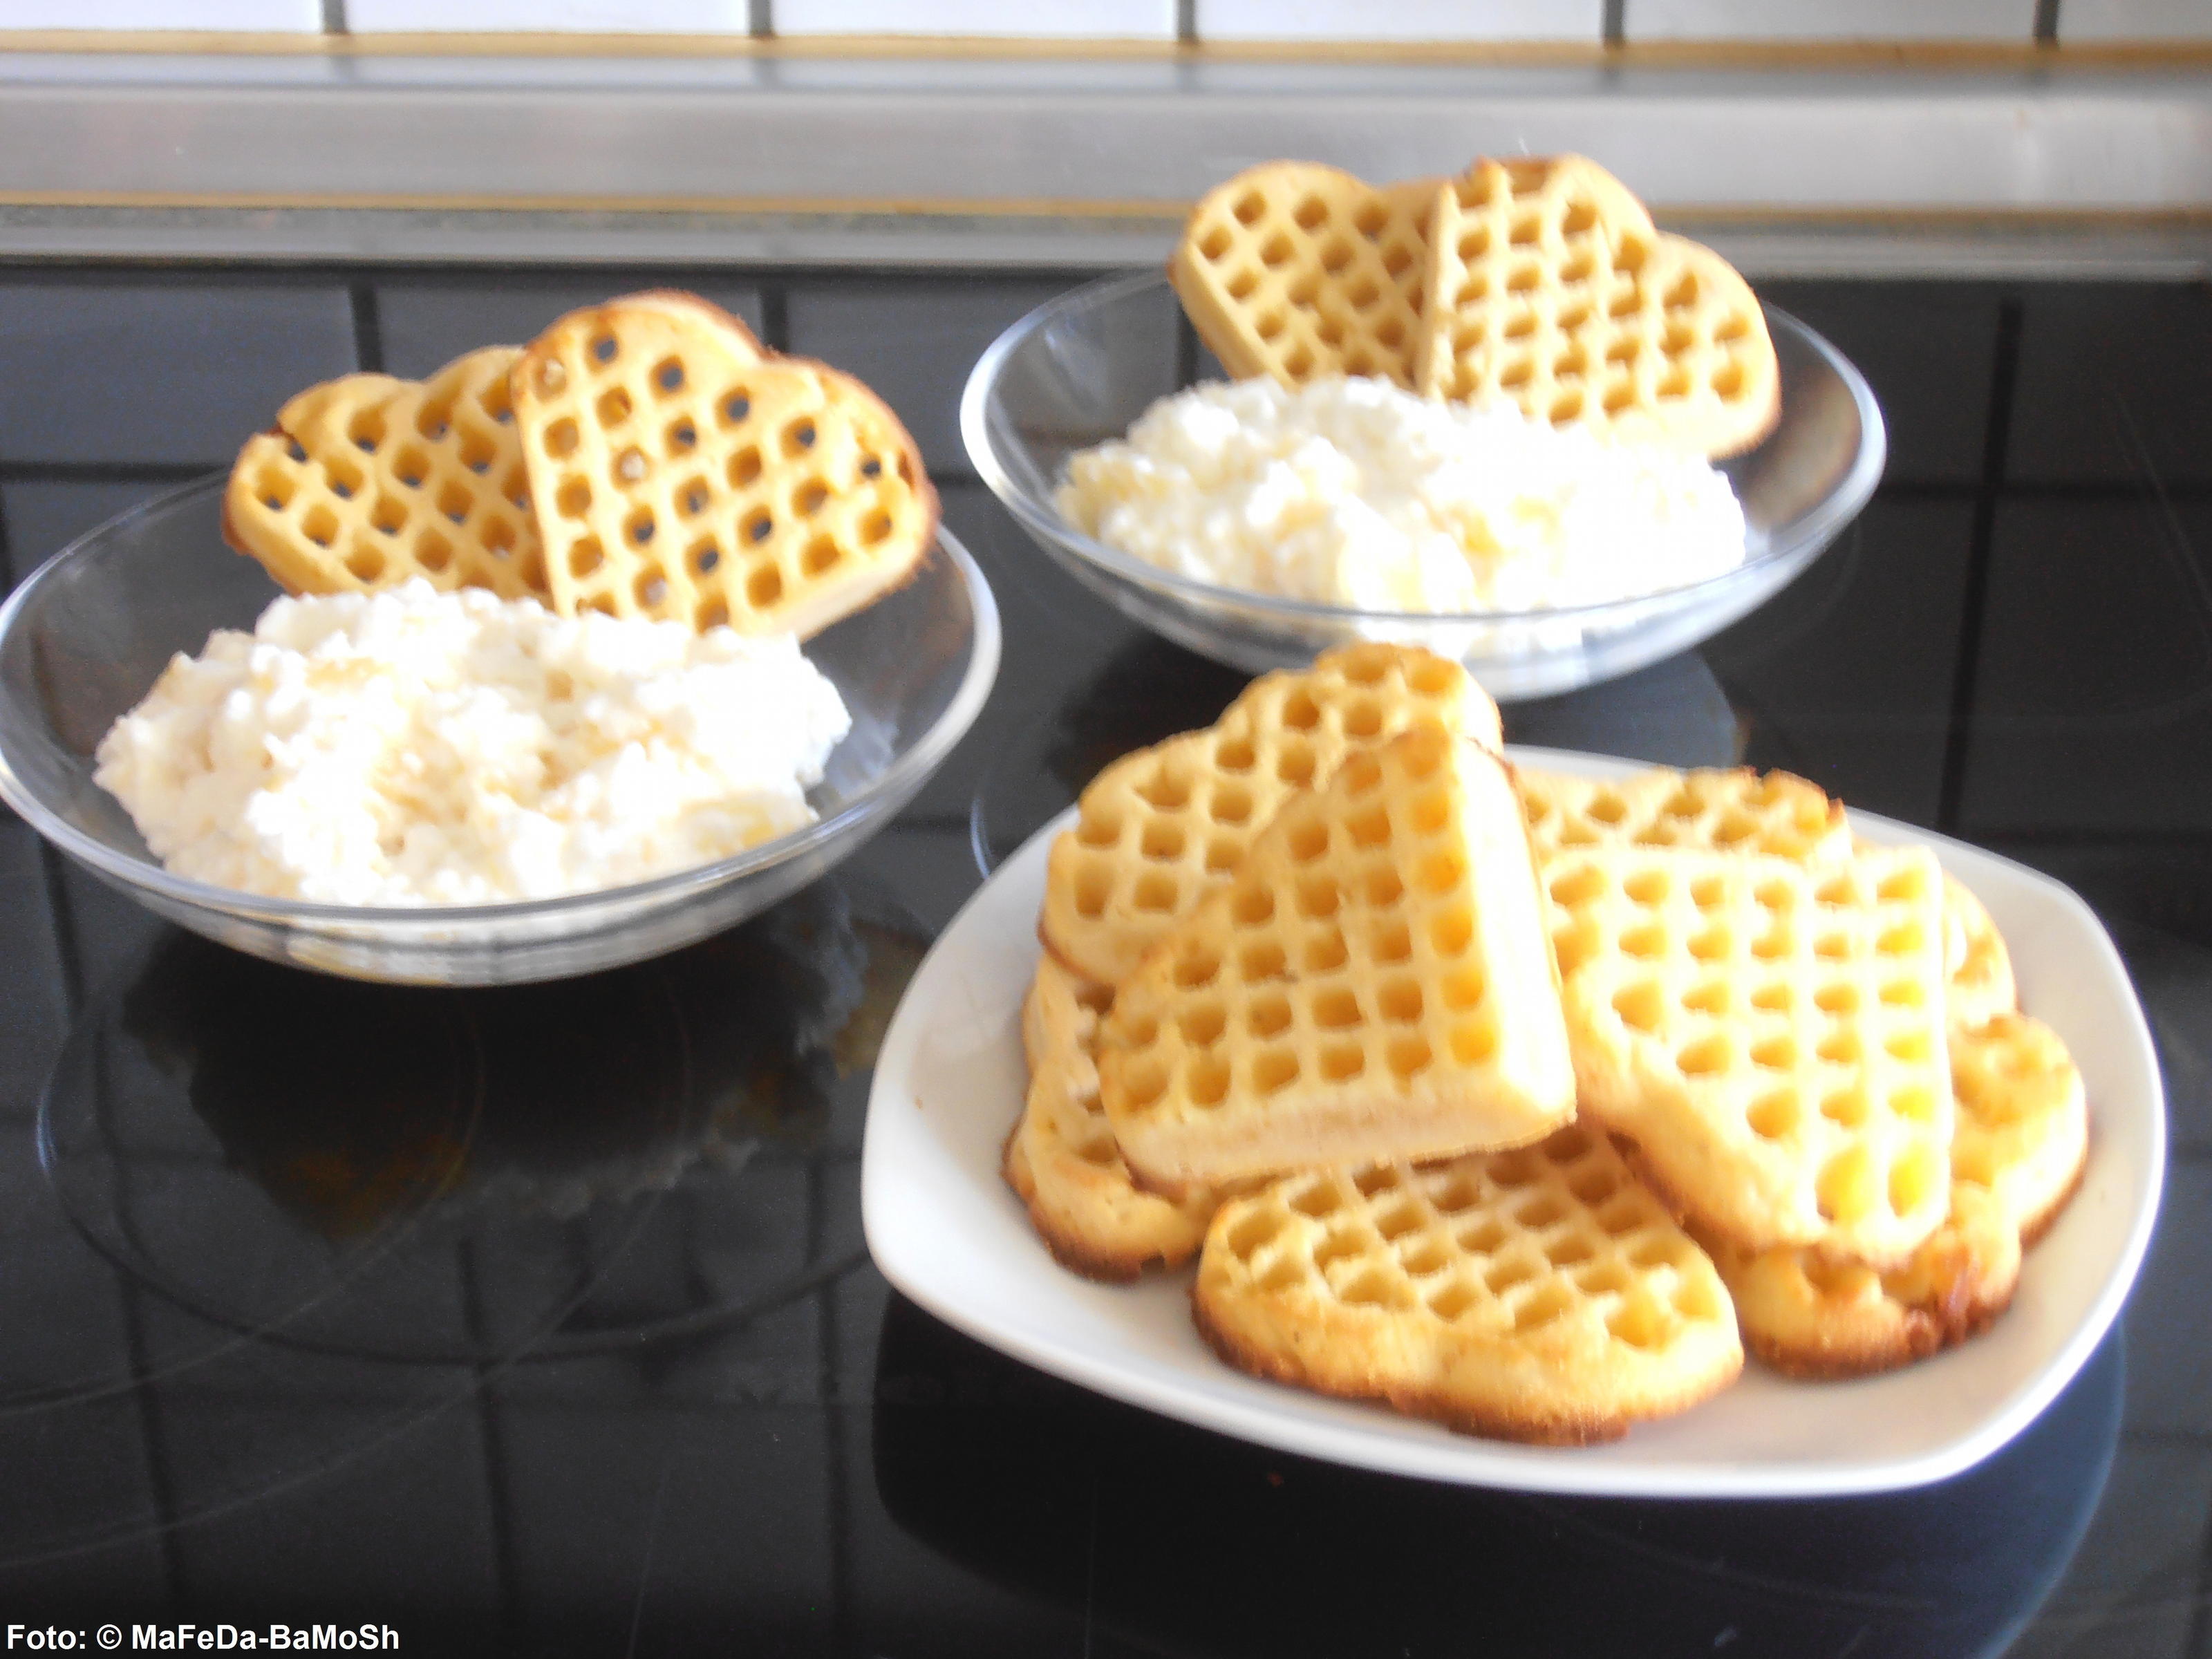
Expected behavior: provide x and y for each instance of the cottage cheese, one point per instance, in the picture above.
(1353, 492)
(414, 748)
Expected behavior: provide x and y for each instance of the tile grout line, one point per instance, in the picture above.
(160, 1479)
(2062, 839)
(830, 1357)
(367, 327)
(492, 1430)
(776, 317)
(2004, 375)
(2200, 1619)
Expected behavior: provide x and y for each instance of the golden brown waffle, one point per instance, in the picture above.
(1725, 811)
(1161, 828)
(1548, 288)
(366, 482)
(1372, 983)
(2018, 1149)
(1808, 1317)
(2023, 1124)
(1981, 983)
(1770, 1034)
(1300, 271)
(1061, 1160)
(1060, 1014)
(681, 474)
(1538, 1295)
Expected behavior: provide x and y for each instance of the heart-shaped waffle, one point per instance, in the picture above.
(1166, 826)
(1299, 270)
(366, 481)
(1372, 981)
(681, 472)
(1770, 1034)
(1537, 1295)
(1549, 287)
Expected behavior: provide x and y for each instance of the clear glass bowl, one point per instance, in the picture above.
(1079, 369)
(85, 637)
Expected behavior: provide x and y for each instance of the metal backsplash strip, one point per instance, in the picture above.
(1048, 161)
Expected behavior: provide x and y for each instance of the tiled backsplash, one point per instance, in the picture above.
(1402, 20)
(257, 17)
(1852, 20)
(582, 16)
(1226, 20)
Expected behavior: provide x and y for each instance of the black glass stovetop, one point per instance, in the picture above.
(539, 1320)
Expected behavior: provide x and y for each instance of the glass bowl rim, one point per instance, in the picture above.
(927, 753)
(1815, 526)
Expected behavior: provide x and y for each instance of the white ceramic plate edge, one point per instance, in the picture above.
(1121, 1342)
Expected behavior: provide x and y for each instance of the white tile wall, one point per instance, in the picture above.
(1831, 20)
(1153, 19)
(2134, 20)
(1401, 19)
(285, 16)
(541, 16)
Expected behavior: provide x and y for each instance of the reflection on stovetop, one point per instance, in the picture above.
(1194, 1543)
(452, 1176)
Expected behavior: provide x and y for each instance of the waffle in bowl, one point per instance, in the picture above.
(1536, 1295)
(1769, 1034)
(1548, 287)
(1161, 828)
(1061, 1160)
(1372, 982)
(368, 481)
(681, 472)
(1300, 271)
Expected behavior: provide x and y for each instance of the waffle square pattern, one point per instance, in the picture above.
(1373, 982)
(369, 481)
(1162, 828)
(1770, 1034)
(2019, 1144)
(680, 472)
(1721, 810)
(1536, 1295)
(1548, 287)
(1299, 270)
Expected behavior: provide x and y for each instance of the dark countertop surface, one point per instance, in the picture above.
(539, 1320)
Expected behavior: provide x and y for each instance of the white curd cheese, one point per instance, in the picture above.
(1353, 492)
(412, 748)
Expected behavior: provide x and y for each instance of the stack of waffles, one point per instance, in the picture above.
(1539, 281)
(1523, 1102)
(644, 458)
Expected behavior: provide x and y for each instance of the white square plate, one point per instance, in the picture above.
(946, 1231)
